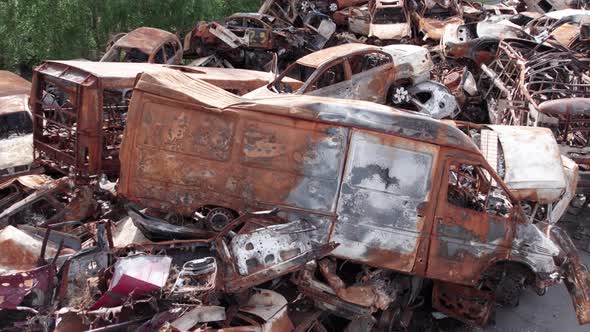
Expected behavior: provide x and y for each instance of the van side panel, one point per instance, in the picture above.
(185, 156)
(386, 180)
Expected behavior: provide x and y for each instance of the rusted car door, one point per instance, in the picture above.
(372, 74)
(385, 189)
(471, 224)
(332, 80)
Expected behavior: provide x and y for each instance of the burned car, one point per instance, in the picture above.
(431, 17)
(242, 30)
(293, 11)
(16, 126)
(16, 136)
(350, 71)
(478, 41)
(401, 193)
(149, 45)
(356, 19)
(390, 20)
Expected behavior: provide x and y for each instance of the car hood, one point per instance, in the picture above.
(534, 168)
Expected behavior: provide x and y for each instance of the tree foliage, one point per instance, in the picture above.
(35, 30)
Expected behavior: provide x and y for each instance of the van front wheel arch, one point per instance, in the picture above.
(507, 280)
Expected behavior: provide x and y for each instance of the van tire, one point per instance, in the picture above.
(510, 289)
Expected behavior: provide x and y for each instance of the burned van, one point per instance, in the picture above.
(80, 108)
(402, 196)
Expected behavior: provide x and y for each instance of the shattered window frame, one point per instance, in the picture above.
(311, 84)
(368, 57)
(477, 179)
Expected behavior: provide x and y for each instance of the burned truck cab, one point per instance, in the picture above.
(398, 196)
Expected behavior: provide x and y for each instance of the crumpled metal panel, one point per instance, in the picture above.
(577, 275)
(272, 251)
(467, 304)
(15, 287)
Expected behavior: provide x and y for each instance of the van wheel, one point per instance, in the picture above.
(510, 289)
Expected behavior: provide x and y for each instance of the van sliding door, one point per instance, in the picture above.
(386, 179)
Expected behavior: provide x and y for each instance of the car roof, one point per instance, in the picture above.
(321, 57)
(12, 84)
(145, 39)
(14, 104)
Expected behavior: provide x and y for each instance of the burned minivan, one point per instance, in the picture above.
(401, 196)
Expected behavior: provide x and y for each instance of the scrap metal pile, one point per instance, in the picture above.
(316, 166)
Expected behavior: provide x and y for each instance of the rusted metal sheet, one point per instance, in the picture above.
(478, 41)
(350, 71)
(268, 253)
(534, 170)
(15, 287)
(357, 19)
(413, 64)
(572, 174)
(470, 305)
(18, 188)
(12, 84)
(42, 206)
(379, 217)
(374, 295)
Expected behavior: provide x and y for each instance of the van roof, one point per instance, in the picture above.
(123, 74)
(352, 113)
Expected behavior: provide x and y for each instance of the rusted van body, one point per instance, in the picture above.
(394, 190)
(80, 109)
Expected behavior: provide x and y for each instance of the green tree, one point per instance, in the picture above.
(36, 30)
